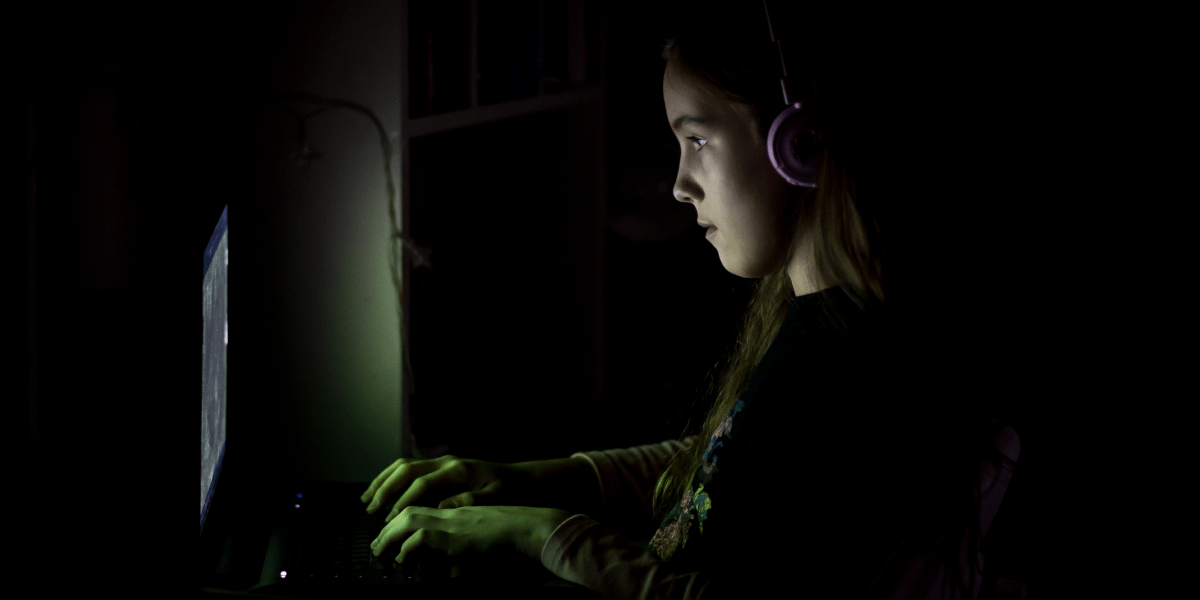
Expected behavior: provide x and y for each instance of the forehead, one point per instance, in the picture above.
(692, 102)
(685, 93)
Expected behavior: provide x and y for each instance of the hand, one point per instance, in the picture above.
(470, 529)
(450, 482)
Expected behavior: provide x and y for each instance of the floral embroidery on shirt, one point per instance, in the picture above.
(702, 505)
(674, 534)
(670, 538)
(708, 463)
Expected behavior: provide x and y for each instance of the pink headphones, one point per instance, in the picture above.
(794, 142)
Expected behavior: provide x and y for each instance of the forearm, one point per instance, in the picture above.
(569, 484)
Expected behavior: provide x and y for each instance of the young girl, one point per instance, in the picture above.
(807, 439)
(825, 467)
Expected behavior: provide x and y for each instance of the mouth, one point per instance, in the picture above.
(711, 230)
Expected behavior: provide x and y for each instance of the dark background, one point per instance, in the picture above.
(93, 409)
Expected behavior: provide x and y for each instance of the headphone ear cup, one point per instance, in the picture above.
(794, 146)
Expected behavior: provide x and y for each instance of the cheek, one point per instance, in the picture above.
(757, 202)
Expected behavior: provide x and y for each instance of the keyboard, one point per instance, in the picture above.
(339, 545)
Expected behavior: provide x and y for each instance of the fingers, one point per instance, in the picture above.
(375, 493)
(463, 499)
(414, 477)
(435, 481)
(395, 539)
(404, 543)
(379, 479)
(415, 490)
(417, 487)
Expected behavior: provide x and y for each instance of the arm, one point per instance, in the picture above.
(616, 490)
(569, 484)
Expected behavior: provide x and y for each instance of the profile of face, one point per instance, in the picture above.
(725, 172)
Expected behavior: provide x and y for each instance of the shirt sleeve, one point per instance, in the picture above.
(602, 556)
(627, 479)
(584, 551)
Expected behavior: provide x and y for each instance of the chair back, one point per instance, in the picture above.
(908, 566)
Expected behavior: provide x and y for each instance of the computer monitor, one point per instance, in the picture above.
(216, 337)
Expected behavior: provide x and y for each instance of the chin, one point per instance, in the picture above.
(743, 271)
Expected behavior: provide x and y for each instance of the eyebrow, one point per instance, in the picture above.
(682, 120)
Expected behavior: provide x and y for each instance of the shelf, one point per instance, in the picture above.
(502, 111)
(471, 62)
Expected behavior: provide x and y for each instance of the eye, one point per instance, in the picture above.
(697, 140)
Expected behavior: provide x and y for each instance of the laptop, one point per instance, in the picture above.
(311, 539)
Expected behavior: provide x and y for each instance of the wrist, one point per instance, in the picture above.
(569, 484)
(551, 519)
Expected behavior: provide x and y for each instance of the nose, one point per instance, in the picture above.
(685, 188)
(679, 193)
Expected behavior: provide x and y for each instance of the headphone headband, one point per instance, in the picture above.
(795, 141)
(790, 94)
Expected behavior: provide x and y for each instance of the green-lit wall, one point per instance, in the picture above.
(313, 265)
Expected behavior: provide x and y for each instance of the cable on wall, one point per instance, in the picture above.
(306, 153)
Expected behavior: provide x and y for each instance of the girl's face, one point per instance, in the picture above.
(725, 172)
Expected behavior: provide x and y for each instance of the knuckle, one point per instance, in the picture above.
(458, 464)
(419, 485)
(407, 469)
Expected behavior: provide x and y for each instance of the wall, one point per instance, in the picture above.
(319, 352)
